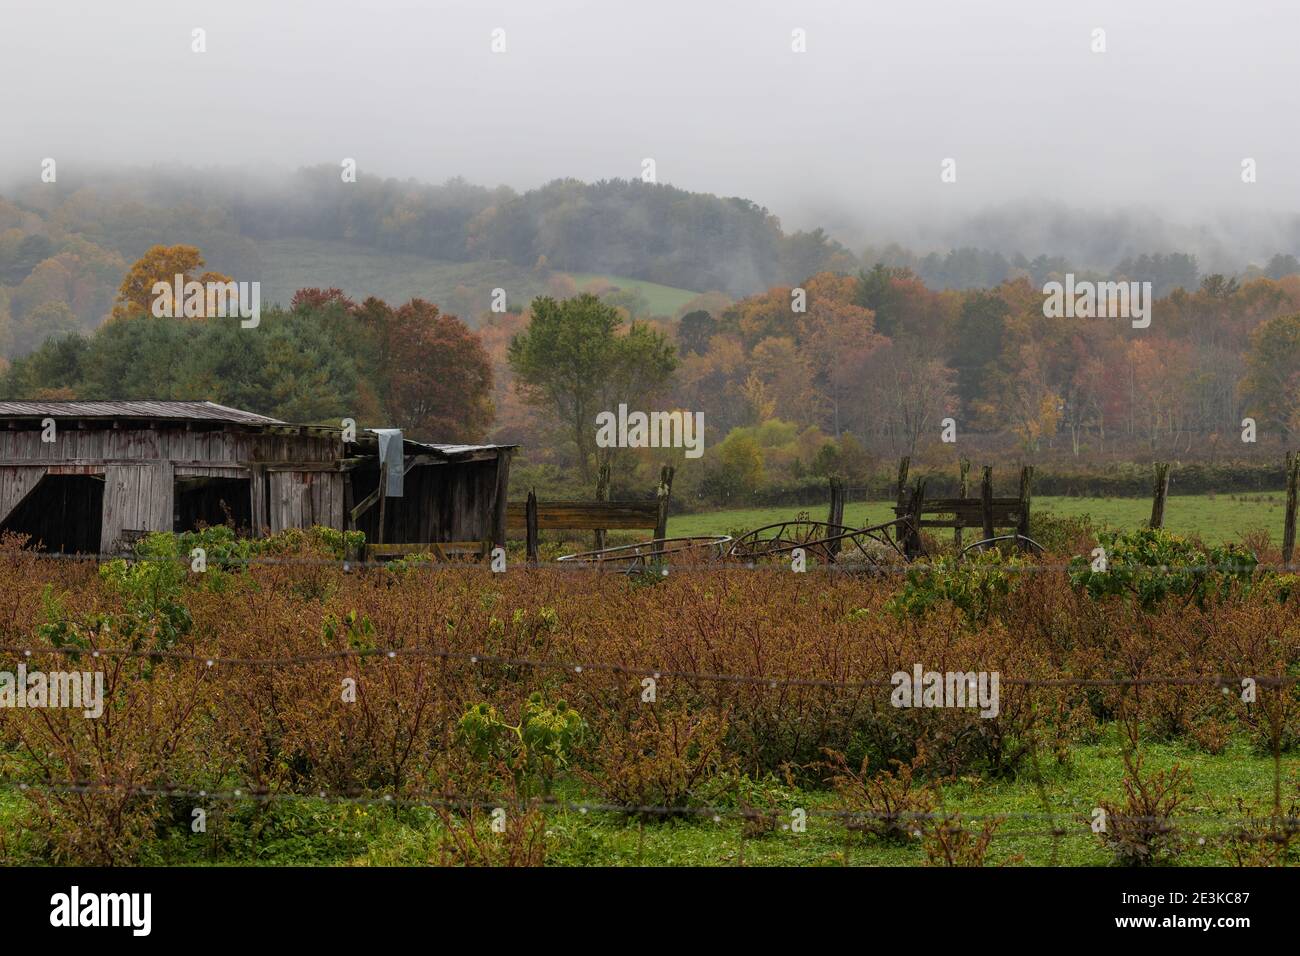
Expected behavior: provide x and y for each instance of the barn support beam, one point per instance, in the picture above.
(498, 525)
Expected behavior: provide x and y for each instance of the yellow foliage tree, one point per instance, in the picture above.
(160, 264)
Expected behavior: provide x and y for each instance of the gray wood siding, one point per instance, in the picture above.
(15, 484)
(136, 498)
(180, 445)
(300, 499)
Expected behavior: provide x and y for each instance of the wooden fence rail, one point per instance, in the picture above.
(532, 517)
(986, 512)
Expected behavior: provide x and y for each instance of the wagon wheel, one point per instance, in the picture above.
(643, 553)
(830, 543)
(783, 537)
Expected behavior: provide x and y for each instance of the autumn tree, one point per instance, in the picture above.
(1271, 387)
(436, 375)
(978, 342)
(577, 359)
(908, 391)
(315, 299)
(694, 330)
(160, 264)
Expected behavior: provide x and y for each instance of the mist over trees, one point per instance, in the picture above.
(867, 369)
(65, 247)
(890, 344)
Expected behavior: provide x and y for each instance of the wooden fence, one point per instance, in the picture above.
(987, 512)
(990, 513)
(532, 517)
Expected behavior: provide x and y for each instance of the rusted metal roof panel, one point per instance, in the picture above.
(368, 443)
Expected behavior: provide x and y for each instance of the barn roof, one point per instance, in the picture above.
(174, 411)
(223, 414)
(369, 442)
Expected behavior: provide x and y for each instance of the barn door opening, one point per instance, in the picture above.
(204, 502)
(62, 514)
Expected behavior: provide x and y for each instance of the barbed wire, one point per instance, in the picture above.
(649, 563)
(452, 801)
(1224, 681)
(1278, 827)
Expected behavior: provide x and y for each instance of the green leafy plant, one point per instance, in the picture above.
(357, 630)
(154, 613)
(1151, 565)
(977, 586)
(534, 749)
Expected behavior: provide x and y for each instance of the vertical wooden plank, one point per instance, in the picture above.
(835, 514)
(274, 511)
(312, 501)
(109, 518)
(257, 506)
(602, 494)
(345, 520)
(122, 501)
(963, 491)
(664, 493)
(904, 464)
(915, 508)
(1026, 480)
(1292, 500)
(986, 495)
(530, 526)
(1160, 491)
(337, 499)
(163, 505)
(383, 501)
(498, 509)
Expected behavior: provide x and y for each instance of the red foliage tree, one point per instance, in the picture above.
(312, 299)
(438, 375)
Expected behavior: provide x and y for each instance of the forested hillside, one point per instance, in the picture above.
(65, 246)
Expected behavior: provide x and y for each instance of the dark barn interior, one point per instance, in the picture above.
(204, 502)
(61, 514)
(439, 503)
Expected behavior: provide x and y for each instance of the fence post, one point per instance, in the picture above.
(914, 509)
(1026, 479)
(903, 464)
(986, 496)
(1292, 500)
(963, 491)
(664, 493)
(530, 526)
(602, 494)
(1159, 493)
(836, 514)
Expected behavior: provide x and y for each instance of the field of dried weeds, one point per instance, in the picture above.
(453, 715)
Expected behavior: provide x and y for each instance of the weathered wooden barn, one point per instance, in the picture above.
(92, 476)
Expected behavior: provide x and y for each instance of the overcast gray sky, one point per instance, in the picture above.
(853, 131)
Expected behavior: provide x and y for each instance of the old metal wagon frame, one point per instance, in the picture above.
(643, 553)
(821, 539)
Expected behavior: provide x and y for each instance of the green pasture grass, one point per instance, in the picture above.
(1216, 518)
(292, 264)
(313, 832)
(663, 299)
